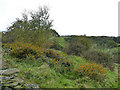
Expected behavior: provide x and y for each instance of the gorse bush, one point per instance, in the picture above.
(92, 70)
(52, 54)
(27, 51)
(22, 50)
(61, 66)
(58, 61)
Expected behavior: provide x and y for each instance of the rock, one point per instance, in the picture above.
(19, 80)
(4, 78)
(19, 86)
(27, 85)
(9, 80)
(31, 86)
(9, 71)
(13, 84)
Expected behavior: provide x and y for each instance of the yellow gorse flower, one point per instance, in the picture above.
(91, 70)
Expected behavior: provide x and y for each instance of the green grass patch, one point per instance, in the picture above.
(38, 72)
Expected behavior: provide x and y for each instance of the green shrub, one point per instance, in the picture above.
(56, 46)
(111, 44)
(59, 43)
(103, 58)
(9, 37)
(115, 56)
(104, 41)
(40, 38)
(78, 45)
(63, 66)
(43, 39)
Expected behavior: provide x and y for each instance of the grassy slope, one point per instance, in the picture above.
(40, 73)
(33, 71)
(61, 41)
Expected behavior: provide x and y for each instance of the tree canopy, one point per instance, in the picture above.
(38, 20)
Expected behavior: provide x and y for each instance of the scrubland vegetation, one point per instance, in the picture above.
(53, 61)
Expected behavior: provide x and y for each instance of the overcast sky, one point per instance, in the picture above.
(71, 17)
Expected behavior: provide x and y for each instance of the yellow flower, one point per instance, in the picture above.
(11, 50)
(55, 62)
(65, 68)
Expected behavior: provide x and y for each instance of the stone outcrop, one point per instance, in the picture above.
(9, 71)
(9, 80)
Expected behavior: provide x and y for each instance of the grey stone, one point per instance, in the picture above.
(19, 86)
(27, 85)
(35, 86)
(19, 80)
(15, 75)
(4, 78)
(31, 86)
(13, 84)
(8, 79)
(7, 82)
(9, 71)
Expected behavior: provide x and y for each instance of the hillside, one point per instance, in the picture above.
(35, 56)
(40, 71)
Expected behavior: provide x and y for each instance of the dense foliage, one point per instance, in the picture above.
(91, 70)
(78, 45)
(106, 42)
(103, 58)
